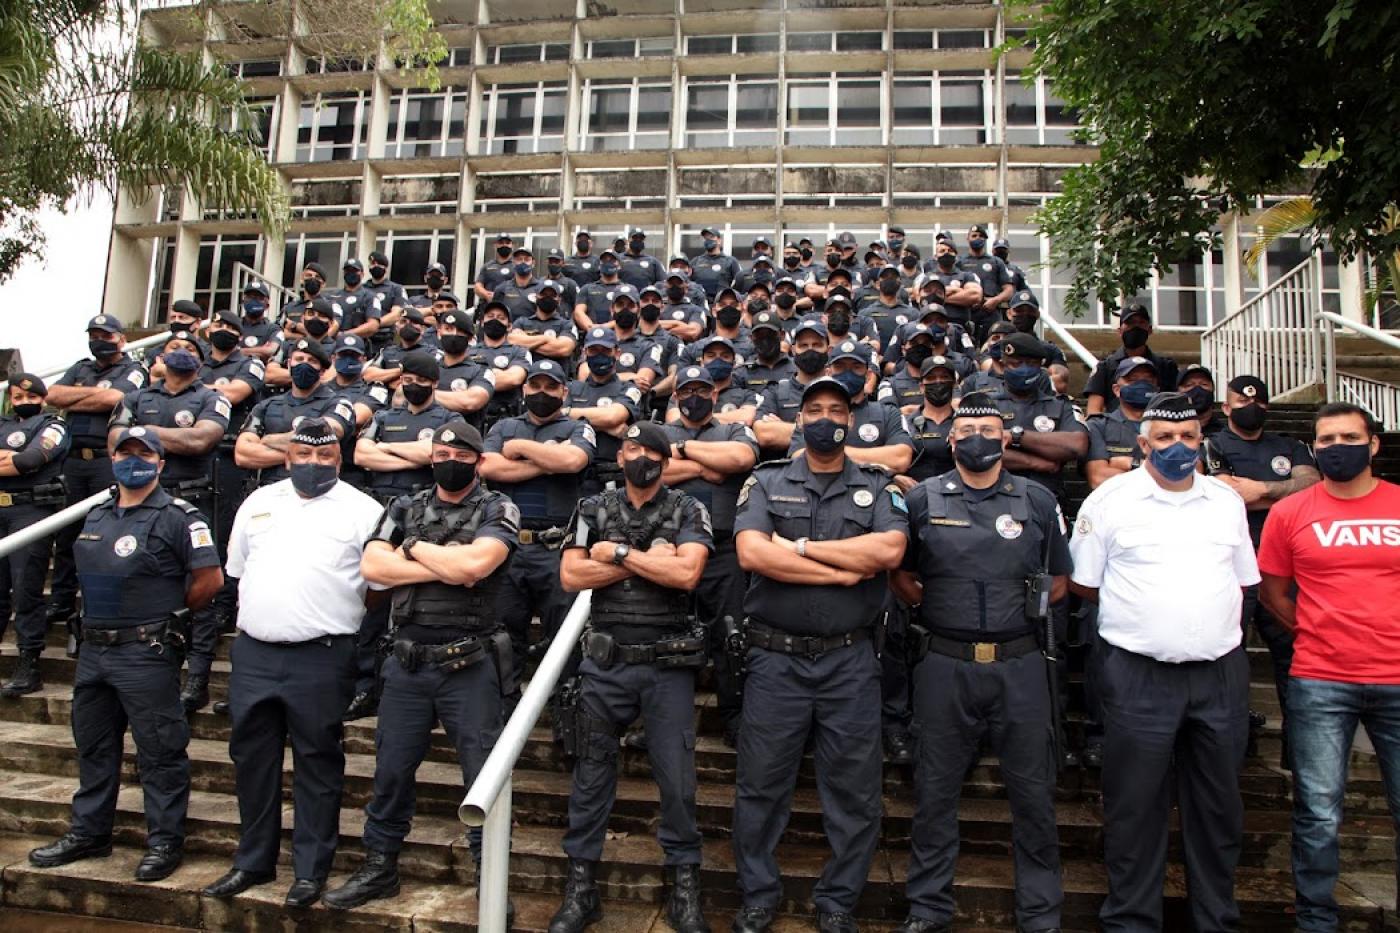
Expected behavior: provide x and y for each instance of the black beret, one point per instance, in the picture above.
(311, 347)
(314, 267)
(30, 383)
(651, 436)
(185, 337)
(422, 364)
(1251, 387)
(185, 306)
(460, 435)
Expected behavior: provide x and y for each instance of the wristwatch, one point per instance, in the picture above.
(1017, 433)
(680, 449)
(620, 553)
(407, 546)
(801, 547)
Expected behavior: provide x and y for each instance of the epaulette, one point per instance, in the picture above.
(773, 463)
(876, 468)
(185, 505)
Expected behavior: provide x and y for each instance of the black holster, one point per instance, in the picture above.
(506, 674)
(736, 645)
(176, 638)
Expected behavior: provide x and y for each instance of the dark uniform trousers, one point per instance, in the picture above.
(276, 690)
(1279, 641)
(894, 669)
(837, 694)
(467, 703)
(229, 483)
(665, 700)
(23, 576)
(136, 684)
(955, 704)
(204, 627)
(531, 587)
(1190, 720)
(81, 478)
(720, 593)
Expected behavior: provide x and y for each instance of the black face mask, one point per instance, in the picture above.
(454, 344)
(909, 262)
(838, 323)
(938, 394)
(436, 282)
(30, 410)
(626, 319)
(1135, 338)
(316, 327)
(977, 453)
(378, 272)
(223, 340)
(807, 255)
(791, 261)
(785, 301)
(1343, 463)
(503, 251)
(675, 292)
(454, 475)
(1025, 323)
(101, 348)
(547, 305)
(889, 287)
(697, 408)
(642, 471)
(1249, 418)
(916, 355)
(947, 261)
(311, 287)
(833, 260)
(494, 329)
(811, 362)
(651, 313)
(542, 404)
(729, 316)
(409, 333)
(416, 393)
(766, 346)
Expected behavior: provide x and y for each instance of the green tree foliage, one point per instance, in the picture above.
(86, 104)
(1197, 106)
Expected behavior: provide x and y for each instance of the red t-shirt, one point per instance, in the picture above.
(1345, 555)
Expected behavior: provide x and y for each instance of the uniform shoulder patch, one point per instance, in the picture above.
(897, 498)
(745, 489)
(184, 505)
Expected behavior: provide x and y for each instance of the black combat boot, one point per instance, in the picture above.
(581, 905)
(683, 908)
(195, 695)
(378, 877)
(25, 678)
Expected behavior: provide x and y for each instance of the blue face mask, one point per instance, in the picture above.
(1021, 379)
(349, 366)
(181, 361)
(1176, 462)
(977, 244)
(601, 364)
(852, 380)
(608, 268)
(1136, 394)
(522, 269)
(133, 472)
(711, 244)
(313, 479)
(304, 375)
(254, 308)
(720, 369)
(824, 435)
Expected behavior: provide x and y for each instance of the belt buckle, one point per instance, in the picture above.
(87, 453)
(527, 536)
(984, 652)
(6, 500)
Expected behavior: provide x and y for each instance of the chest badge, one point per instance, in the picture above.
(426, 434)
(1008, 527)
(458, 385)
(502, 361)
(16, 439)
(1282, 465)
(1044, 423)
(184, 419)
(125, 546)
(863, 498)
(868, 432)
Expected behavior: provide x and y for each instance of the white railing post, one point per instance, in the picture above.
(493, 874)
(1273, 335)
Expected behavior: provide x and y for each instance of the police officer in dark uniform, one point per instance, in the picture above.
(681, 316)
(641, 549)
(992, 275)
(1134, 330)
(1024, 314)
(640, 268)
(142, 557)
(395, 448)
(1044, 433)
(640, 360)
(87, 394)
(312, 283)
(537, 459)
(595, 300)
(890, 308)
(546, 333)
(768, 365)
(710, 459)
(714, 269)
(451, 657)
(962, 290)
(1198, 384)
(554, 269)
(1001, 249)
(321, 323)
(390, 295)
(1113, 438)
(259, 336)
(365, 398)
(986, 558)
(904, 389)
(31, 459)
(606, 402)
(520, 290)
(190, 419)
(507, 362)
(465, 385)
(777, 413)
(817, 533)
(262, 442)
(582, 266)
(435, 282)
(495, 272)
(878, 434)
(358, 308)
(410, 335)
(930, 425)
(1263, 468)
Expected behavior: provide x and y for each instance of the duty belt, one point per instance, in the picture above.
(90, 453)
(922, 641)
(29, 497)
(453, 656)
(812, 646)
(107, 637)
(549, 537)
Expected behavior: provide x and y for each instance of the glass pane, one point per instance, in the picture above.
(556, 52)
(809, 42)
(961, 103)
(709, 45)
(552, 105)
(515, 114)
(807, 104)
(913, 104)
(608, 110)
(654, 108)
(707, 107)
(757, 105)
(764, 43)
(508, 54)
(859, 41)
(962, 38)
(612, 48)
(407, 259)
(913, 39)
(1020, 103)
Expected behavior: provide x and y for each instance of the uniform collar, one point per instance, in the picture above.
(158, 499)
(800, 471)
(951, 484)
(1202, 487)
(165, 390)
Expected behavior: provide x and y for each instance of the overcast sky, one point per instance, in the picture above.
(46, 303)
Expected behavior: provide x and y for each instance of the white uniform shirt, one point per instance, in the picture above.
(1168, 565)
(297, 561)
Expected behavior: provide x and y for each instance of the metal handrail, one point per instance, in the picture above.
(47, 526)
(1365, 330)
(1069, 340)
(138, 346)
(488, 802)
(1274, 335)
(1381, 399)
(242, 273)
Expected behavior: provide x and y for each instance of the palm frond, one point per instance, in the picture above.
(1286, 218)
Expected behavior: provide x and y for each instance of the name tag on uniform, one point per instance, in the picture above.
(951, 522)
(88, 536)
(396, 427)
(801, 499)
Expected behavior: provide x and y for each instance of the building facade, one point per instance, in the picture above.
(782, 119)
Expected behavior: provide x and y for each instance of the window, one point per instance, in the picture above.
(1035, 116)
(458, 57)
(523, 117)
(213, 277)
(333, 127)
(426, 124)
(626, 114)
(256, 68)
(730, 45)
(411, 252)
(834, 110)
(528, 52)
(260, 130)
(835, 42)
(320, 64)
(731, 110)
(942, 108)
(913, 40)
(631, 48)
(330, 250)
(964, 38)
(330, 197)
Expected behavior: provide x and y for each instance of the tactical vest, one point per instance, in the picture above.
(120, 573)
(993, 601)
(637, 601)
(447, 605)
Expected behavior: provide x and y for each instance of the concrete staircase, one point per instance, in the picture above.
(38, 773)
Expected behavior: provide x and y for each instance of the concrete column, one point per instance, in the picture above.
(1352, 280)
(1234, 262)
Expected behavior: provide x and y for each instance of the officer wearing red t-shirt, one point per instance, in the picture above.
(1339, 542)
